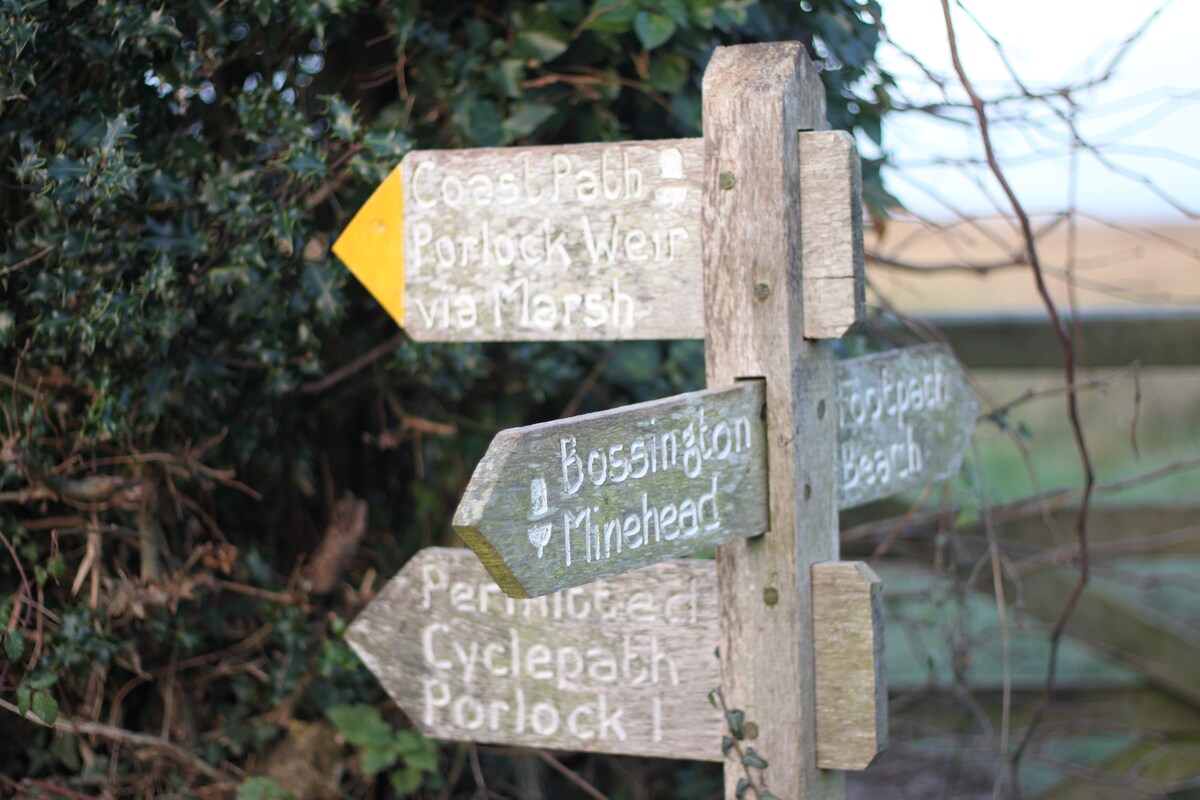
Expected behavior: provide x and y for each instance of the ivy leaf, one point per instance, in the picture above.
(736, 719)
(753, 759)
(262, 789)
(361, 725)
(653, 29)
(742, 786)
(539, 34)
(727, 743)
(668, 72)
(376, 759)
(405, 781)
(611, 16)
(527, 118)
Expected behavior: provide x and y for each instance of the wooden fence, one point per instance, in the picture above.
(1126, 717)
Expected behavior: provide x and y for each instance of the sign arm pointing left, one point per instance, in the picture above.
(372, 245)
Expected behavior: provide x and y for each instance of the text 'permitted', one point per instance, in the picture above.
(623, 665)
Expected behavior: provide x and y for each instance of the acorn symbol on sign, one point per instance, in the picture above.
(539, 535)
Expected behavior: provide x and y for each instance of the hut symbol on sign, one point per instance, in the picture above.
(539, 535)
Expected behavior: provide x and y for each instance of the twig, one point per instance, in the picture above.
(365, 360)
(569, 774)
(572, 406)
(26, 262)
(83, 727)
(1081, 529)
(481, 789)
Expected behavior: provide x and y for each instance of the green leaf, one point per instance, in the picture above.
(742, 785)
(262, 789)
(727, 743)
(376, 759)
(539, 34)
(24, 697)
(653, 29)
(527, 118)
(361, 725)
(425, 759)
(611, 16)
(753, 759)
(343, 120)
(736, 720)
(46, 707)
(668, 72)
(66, 169)
(14, 645)
(967, 516)
(507, 75)
(42, 679)
(405, 781)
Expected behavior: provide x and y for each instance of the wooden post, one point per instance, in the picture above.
(757, 98)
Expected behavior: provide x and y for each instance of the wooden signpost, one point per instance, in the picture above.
(572, 242)
(750, 238)
(564, 503)
(577, 242)
(623, 665)
(904, 419)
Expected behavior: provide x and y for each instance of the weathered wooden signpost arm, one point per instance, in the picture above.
(757, 98)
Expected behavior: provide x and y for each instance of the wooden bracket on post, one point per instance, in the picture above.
(832, 234)
(757, 98)
(851, 688)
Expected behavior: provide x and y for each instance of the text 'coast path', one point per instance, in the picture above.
(567, 242)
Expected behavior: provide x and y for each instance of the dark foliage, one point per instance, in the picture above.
(172, 448)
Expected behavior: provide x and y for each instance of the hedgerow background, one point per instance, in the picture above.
(214, 446)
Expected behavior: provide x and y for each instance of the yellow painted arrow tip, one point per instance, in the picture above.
(372, 245)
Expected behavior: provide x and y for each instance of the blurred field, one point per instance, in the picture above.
(1129, 267)
(1144, 420)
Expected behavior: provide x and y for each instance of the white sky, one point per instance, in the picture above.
(1153, 104)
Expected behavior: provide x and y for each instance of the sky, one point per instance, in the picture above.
(1146, 119)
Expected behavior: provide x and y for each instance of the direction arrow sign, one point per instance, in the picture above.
(568, 502)
(570, 242)
(623, 665)
(904, 420)
(620, 666)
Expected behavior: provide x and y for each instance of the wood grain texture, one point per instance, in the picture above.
(622, 666)
(569, 242)
(851, 684)
(756, 99)
(904, 420)
(831, 227)
(467, 664)
(565, 503)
